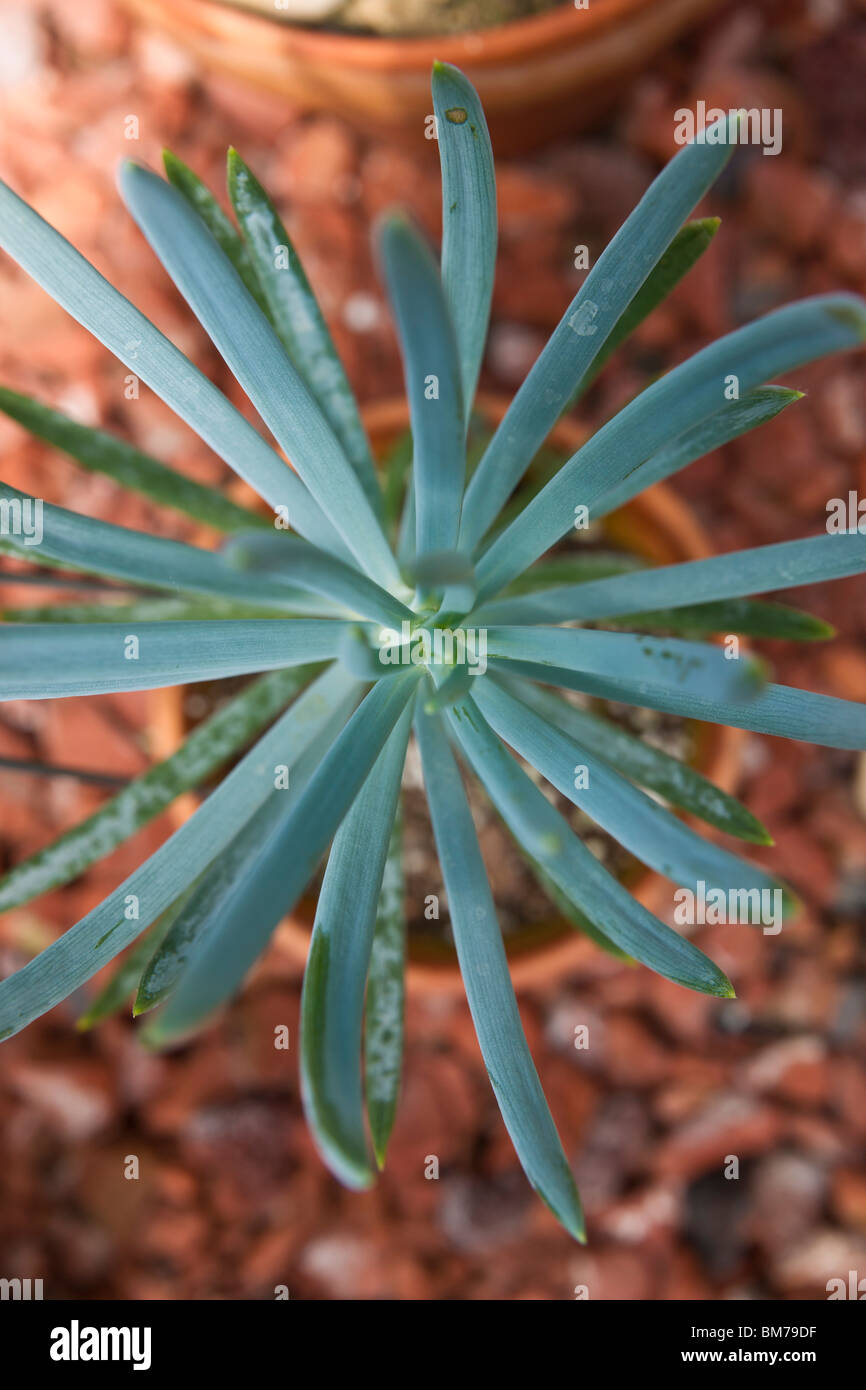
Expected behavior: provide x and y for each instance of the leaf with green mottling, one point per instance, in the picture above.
(546, 836)
(284, 861)
(205, 750)
(748, 617)
(213, 890)
(122, 985)
(100, 452)
(635, 820)
(102, 933)
(650, 767)
(332, 1002)
(385, 1001)
(226, 236)
(298, 320)
(256, 357)
(75, 284)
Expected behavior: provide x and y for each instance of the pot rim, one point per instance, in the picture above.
(539, 77)
(483, 47)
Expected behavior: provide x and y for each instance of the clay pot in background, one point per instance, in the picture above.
(657, 526)
(538, 77)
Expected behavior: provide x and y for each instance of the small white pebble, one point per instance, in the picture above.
(361, 312)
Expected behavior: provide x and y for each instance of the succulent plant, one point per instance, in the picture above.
(375, 606)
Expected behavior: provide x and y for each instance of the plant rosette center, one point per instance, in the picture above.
(434, 646)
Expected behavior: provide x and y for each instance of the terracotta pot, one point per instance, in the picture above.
(656, 525)
(538, 77)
